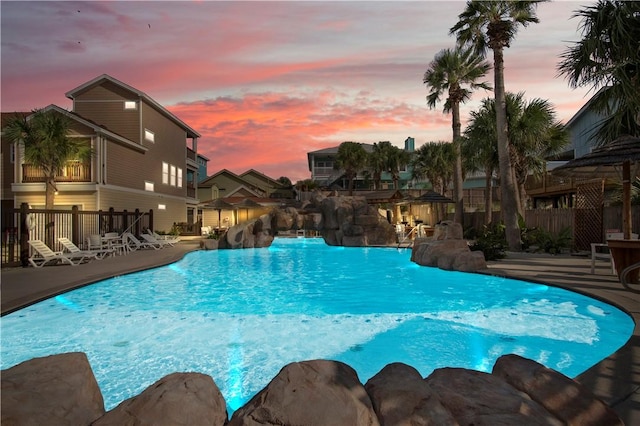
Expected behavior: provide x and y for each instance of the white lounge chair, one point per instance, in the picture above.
(72, 248)
(150, 239)
(45, 255)
(135, 244)
(163, 238)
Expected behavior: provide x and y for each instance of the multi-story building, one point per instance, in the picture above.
(322, 165)
(144, 157)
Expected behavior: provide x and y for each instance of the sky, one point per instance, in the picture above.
(266, 82)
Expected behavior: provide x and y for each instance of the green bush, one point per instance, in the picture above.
(491, 241)
(553, 244)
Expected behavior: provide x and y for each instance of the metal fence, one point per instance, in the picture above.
(22, 224)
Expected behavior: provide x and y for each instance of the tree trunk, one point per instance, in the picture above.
(508, 202)
(488, 196)
(457, 171)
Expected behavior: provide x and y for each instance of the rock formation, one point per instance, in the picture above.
(61, 389)
(342, 221)
(447, 250)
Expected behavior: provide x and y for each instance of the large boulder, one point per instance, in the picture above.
(574, 405)
(254, 233)
(477, 398)
(53, 390)
(177, 399)
(310, 393)
(401, 397)
(447, 250)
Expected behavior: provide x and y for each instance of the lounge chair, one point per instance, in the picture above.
(151, 240)
(135, 244)
(163, 238)
(45, 255)
(72, 248)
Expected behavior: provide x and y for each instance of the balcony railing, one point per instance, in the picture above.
(71, 172)
(191, 154)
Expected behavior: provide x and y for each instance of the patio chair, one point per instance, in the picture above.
(45, 255)
(96, 244)
(135, 244)
(151, 240)
(72, 248)
(115, 242)
(167, 238)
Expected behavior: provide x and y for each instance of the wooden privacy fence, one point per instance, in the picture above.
(22, 224)
(555, 220)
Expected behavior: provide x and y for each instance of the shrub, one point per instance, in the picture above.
(491, 241)
(553, 244)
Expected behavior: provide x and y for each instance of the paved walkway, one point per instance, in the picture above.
(616, 379)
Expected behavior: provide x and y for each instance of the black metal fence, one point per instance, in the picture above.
(22, 224)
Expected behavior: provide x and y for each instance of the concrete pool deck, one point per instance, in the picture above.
(616, 379)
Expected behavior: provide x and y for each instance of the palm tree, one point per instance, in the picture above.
(608, 58)
(377, 163)
(435, 162)
(351, 157)
(47, 145)
(480, 149)
(455, 72)
(493, 24)
(397, 159)
(535, 135)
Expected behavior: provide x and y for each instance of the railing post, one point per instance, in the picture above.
(151, 219)
(137, 221)
(111, 210)
(75, 225)
(125, 220)
(24, 235)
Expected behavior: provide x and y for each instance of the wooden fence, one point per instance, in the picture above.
(21, 224)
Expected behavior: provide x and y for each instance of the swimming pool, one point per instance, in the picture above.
(241, 315)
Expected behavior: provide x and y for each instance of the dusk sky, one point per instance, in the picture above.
(266, 82)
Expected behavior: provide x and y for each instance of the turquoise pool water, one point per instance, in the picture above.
(241, 315)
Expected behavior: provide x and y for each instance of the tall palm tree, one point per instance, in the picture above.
(47, 145)
(456, 73)
(351, 157)
(480, 149)
(493, 25)
(608, 58)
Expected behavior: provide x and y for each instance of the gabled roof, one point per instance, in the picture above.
(97, 128)
(217, 174)
(261, 176)
(71, 94)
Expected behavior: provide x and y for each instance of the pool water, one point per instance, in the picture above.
(241, 315)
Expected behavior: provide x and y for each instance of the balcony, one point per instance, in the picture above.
(73, 171)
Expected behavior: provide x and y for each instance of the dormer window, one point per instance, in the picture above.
(130, 105)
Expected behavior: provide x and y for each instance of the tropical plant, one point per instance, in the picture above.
(434, 161)
(455, 72)
(608, 58)
(480, 149)
(377, 163)
(491, 241)
(285, 181)
(352, 158)
(397, 159)
(493, 25)
(47, 145)
(553, 243)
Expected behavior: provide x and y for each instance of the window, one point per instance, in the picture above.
(148, 186)
(130, 105)
(179, 177)
(162, 206)
(172, 178)
(165, 173)
(149, 135)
